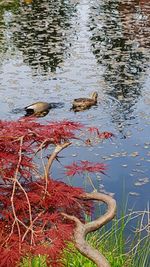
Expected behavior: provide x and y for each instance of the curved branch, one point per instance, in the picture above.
(81, 230)
(54, 154)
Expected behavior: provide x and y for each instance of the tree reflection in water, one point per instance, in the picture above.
(42, 33)
(120, 43)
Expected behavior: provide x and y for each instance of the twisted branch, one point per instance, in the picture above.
(81, 230)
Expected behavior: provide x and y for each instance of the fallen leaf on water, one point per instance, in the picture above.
(137, 184)
(138, 170)
(134, 194)
(134, 154)
(74, 155)
(142, 181)
(124, 165)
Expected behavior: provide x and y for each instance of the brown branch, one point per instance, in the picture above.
(16, 182)
(43, 145)
(54, 154)
(81, 230)
(14, 189)
(58, 148)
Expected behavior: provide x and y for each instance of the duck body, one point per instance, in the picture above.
(85, 103)
(41, 109)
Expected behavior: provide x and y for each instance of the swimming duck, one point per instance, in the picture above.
(85, 103)
(41, 109)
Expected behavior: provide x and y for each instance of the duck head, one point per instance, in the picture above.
(94, 96)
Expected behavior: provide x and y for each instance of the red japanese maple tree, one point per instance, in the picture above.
(38, 214)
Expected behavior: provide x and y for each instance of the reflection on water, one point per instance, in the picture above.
(120, 43)
(39, 32)
(57, 51)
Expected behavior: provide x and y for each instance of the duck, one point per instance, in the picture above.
(85, 103)
(41, 109)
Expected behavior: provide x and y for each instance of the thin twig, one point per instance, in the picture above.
(14, 188)
(16, 182)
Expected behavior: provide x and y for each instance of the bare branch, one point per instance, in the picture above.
(81, 230)
(54, 154)
(16, 182)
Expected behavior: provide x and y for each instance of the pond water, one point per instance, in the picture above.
(60, 50)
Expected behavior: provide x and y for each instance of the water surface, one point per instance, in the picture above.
(60, 50)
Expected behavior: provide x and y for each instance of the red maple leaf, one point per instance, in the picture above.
(105, 135)
(85, 166)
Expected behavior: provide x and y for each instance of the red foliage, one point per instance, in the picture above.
(50, 229)
(101, 135)
(85, 166)
(31, 207)
(33, 134)
(106, 135)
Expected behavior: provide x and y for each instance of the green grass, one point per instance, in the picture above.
(36, 261)
(114, 242)
(8, 5)
(132, 251)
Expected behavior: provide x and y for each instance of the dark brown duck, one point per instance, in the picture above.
(85, 103)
